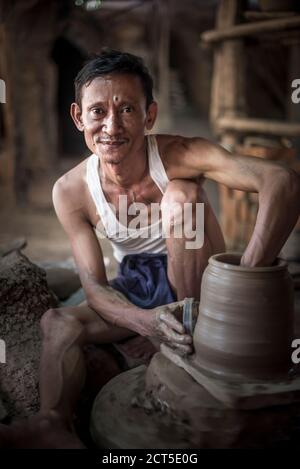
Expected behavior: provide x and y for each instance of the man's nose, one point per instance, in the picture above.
(112, 123)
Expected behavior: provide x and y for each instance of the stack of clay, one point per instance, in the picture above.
(24, 297)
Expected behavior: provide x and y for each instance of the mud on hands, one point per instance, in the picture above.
(169, 330)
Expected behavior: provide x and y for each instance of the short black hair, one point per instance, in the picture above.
(114, 61)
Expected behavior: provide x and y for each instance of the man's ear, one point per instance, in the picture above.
(151, 115)
(75, 112)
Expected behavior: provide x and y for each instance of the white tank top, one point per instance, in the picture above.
(125, 240)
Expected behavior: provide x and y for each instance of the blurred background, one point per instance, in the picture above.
(223, 69)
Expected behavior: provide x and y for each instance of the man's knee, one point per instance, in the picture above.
(180, 192)
(180, 206)
(58, 322)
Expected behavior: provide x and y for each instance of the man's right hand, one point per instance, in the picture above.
(162, 323)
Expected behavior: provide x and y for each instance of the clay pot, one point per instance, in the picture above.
(245, 324)
(291, 249)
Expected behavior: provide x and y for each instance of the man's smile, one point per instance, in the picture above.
(111, 143)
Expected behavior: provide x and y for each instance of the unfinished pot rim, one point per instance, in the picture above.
(230, 261)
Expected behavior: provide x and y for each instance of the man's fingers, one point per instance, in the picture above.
(176, 309)
(173, 336)
(182, 349)
(172, 322)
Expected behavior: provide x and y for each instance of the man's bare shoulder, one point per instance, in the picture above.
(174, 148)
(70, 188)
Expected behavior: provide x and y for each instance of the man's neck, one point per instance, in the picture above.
(129, 172)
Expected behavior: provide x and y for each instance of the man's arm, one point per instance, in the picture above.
(278, 191)
(89, 260)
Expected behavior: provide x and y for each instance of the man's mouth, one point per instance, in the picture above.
(111, 143)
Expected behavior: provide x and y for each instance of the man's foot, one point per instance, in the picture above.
(39, 432)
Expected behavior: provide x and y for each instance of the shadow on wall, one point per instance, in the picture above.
(69, 61)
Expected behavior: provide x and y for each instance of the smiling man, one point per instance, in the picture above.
(114, 110)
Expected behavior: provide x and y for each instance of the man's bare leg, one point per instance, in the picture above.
(62, 368)
(186, 266)
(62, 375)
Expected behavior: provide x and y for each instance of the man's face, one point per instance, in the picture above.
(113, 116)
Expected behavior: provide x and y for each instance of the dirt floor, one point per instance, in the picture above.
(46, 240)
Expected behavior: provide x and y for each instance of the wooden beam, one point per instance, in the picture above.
(250, 29)
(121, 5)
(262, 126)
(228, 84)
(267, 15)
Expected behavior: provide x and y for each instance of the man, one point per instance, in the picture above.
(114, 109)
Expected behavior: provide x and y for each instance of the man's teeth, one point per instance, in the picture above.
(112, 143)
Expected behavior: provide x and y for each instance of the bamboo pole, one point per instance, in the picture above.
(242, 30)
(228, 84)
(262, 126)
(163, 58)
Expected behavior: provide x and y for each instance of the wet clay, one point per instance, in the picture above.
(164, 407)
(238, 389)
(245, 324)
(242, 394)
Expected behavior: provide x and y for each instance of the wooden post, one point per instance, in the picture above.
(228, 86)
(7, 169)
(238, 210)
(163, 58)
(30, 147)
(228, 99)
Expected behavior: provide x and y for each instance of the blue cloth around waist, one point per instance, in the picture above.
(143, 279)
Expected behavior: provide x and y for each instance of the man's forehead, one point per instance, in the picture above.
(117, 86)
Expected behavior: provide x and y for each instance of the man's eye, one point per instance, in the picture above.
(127, 109)
(97, 111)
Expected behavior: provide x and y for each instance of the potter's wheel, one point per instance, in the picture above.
(176, 404)
(236, 393)
(126, 414)
(119, 422)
